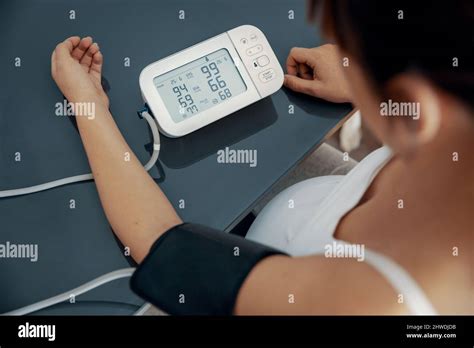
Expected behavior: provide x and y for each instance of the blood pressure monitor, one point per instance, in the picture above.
(210, 80)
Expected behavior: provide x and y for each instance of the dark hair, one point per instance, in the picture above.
(389, 37)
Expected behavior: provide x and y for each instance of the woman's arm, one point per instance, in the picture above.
(135, 206)
(316, 285)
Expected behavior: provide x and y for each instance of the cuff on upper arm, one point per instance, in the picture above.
(196, 270)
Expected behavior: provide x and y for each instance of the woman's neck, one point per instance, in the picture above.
(447, 160)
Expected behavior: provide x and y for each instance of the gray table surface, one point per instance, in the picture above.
(76, 245)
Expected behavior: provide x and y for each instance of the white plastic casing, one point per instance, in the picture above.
(254, 59)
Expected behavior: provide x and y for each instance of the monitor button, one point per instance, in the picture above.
(254, 50)
(263, 60)
(267, 75)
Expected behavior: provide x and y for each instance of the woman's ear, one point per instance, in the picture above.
(413, 111)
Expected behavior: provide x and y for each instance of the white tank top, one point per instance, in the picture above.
(302, 220)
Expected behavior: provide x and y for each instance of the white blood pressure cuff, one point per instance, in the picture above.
(196, 270)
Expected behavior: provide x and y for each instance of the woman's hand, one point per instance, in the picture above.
(317, 72)
(76, 67)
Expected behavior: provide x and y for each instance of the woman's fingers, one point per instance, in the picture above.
(65, 48)
(72, 43)
(318, 72)
(81, 48)
(297, 56)
(305, 72)
(301, 85)
(86, 60)
(96, 67)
